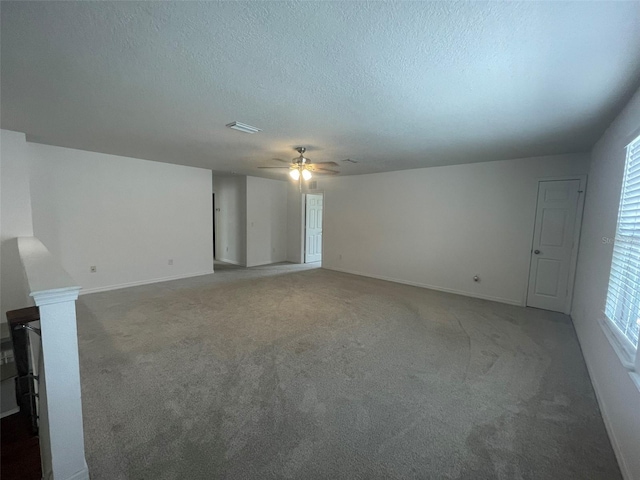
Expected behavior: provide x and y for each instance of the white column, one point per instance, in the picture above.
(61, 431)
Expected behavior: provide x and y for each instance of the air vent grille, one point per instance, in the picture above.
(243, 127)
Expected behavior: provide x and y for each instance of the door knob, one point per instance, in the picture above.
(537, 252)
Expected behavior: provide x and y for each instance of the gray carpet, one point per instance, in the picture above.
(290, 372)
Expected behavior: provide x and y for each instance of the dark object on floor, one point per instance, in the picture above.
(19, 323)
(20, 449)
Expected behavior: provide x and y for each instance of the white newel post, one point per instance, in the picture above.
(61, 431)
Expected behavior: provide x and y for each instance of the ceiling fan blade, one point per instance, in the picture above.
(330, 164)
(280, 160)
(275, 167)
(314, 167)
(325, 171)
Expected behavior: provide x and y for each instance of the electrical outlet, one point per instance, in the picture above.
(340, 257)
(171, 261)
(93, 269)
(273, 250)
(227, 249)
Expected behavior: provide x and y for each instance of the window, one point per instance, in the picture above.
(623, 295)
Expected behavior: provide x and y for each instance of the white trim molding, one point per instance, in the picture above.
(604, 407)
(629, 356)
(108, 288)
(232, 262)
(82, 474)
(508, 301)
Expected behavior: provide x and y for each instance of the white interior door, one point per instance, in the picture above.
(313, 229)
(554, 240)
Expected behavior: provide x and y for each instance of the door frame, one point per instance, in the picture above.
(215, 220)
(304, 227)
(577, 230)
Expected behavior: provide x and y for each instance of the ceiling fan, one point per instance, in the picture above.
(301, 167)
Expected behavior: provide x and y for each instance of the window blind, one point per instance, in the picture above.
(623, 295)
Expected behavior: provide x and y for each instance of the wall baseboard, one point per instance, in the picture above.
(232, 262)
(615, 444)
(266, 262)
(141, 282)
(79, 475)
(430, 287)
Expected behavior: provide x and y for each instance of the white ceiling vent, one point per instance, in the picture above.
(243, 127)
(313, 185)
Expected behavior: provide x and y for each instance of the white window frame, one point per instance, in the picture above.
(629, 354)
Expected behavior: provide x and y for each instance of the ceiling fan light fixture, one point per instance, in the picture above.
(243, 127)
(302, 168)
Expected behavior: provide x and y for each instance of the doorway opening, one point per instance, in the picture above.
(313, 228)
(554, 250)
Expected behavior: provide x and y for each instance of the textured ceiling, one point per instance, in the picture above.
(391, 85)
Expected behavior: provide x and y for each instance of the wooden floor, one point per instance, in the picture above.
(20, 450)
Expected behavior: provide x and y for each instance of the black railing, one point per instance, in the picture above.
(26, 381)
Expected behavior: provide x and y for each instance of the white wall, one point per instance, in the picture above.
(266, 221)
(126, 216)
(619, 398)
(438, 227)
(15, 211)
(231, 219)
